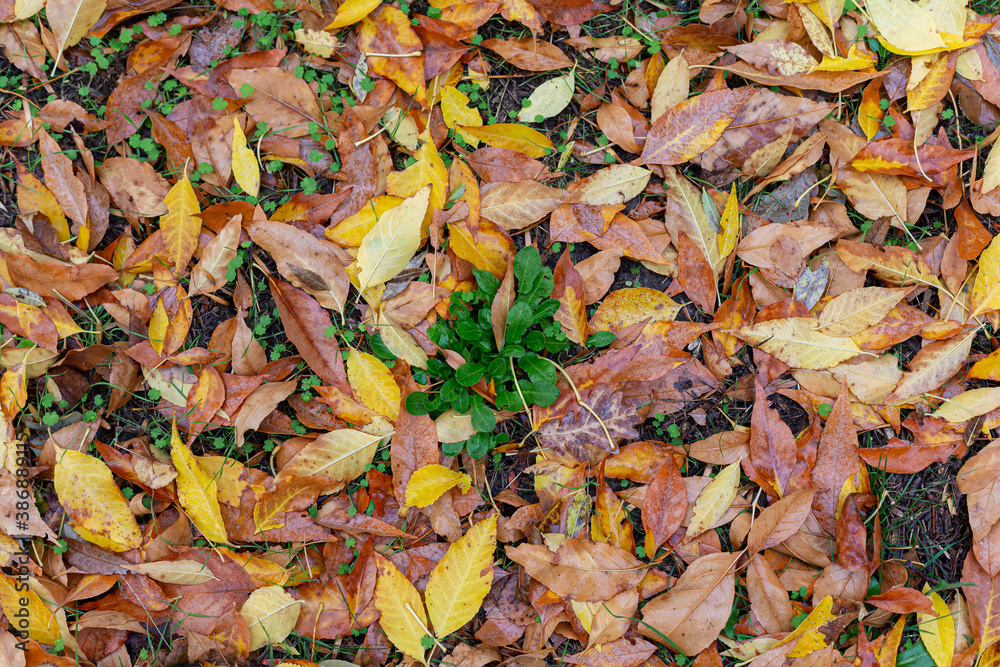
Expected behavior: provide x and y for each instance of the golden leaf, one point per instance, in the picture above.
(373, 383)
(938, 632)
(462, 578)
(197, 492)
(246, 171)
(181, 225)
(714, 499)
(88, 493)
(429, 483)
(392, 242)
(403, 618)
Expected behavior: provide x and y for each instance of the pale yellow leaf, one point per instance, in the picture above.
(429, 482)
(795, 342)
(715, 499)
(271, 614)
(401, 128)
(453, 426)
(317, 42)
(70, 20)
(246, 171)
(340, 455)
(98, 510)
(672, 87)
(197, 491)
(392, 242)
(462, 578)
(969, 404)
(991, 171)
(548, 99)
(906, 28)
(180, 572)
(616, 184)
(857, 309)
(403, 618)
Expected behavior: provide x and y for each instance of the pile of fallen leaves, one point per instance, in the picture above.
(234, 427)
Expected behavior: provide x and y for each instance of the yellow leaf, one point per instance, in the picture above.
(181, 225)
(428, 169)
(672, 87)
(855, 310)
(271, 614)
(969, 404)
(808, 637)
(88, 493)
(855, 60)
(714, 499)
(352, 11)
(938, 632)
(33, 196)
(349, 232)
(317, 42)
(796, 342)
(198, 493)
(462, 578)
(373, 383)
(180, 572)
(392, 242)
(401, 127)
(991, 170)
(245, 168)
(42, 625)
(226, 473)
(730, 223)
(905, 27)
(456, 109)
(158, 326)
(340, 456)
(70, 20)
(403, 618)
(548, 99)
(515, 137)
(430, 482)
(986, 292)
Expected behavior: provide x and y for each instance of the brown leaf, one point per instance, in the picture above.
(851, 537)
(772, 445)
(577, 428)
(306, 324)
(279, 98)
(695, 274)
(769, 600)
(569, 291)
(780, 521)
(529, 53)
(687, 130)
(664, 506)
(56, 279)
(598, 273)
(583, 571)
(693, 612)
(837, 460)
(311, 264)
(414, 446)
(259, 404)
(502, 302)
(902, 600)
(59, 178)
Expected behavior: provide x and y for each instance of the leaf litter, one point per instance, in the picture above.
(524, 331)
